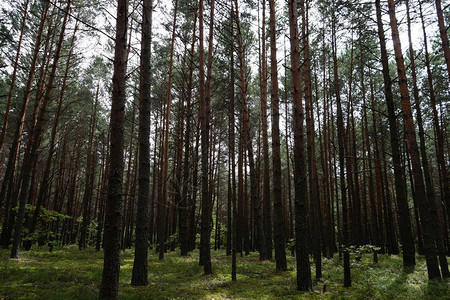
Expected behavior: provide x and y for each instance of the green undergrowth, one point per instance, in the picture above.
(68, 273)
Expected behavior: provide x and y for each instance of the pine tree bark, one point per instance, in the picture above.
(13, 80)
(183, 222)
(267, 204)
(431, 195)
(427, 233)
(140, 265)
(315, 195)
(231, 152)
(406, 236)
(204, 114)
(304, 282)
(248, 142)
(90, 178)
(43, 189)
(443, 34)
(163, 213)
(8, 179)
(114, 205)
(341, 157)
(31, 151)
(278, 222)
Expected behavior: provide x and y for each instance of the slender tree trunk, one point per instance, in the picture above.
(192, 224)
(128, 177)
(267, 205)
(140, 273)
(304, 282)
(13, 79)
(288, 165)
(232, 148)
(114, 204)
(435, 218)
(90, 177)
(443, 33)
(278, 224)
(103, 187)
(163, 213)
(204, 114)
(43, 189)
(310, 132)
(248, 142)
(341, 154)
(32, 148)
(184, 238)
(428, 235)
(8, 179)
(406, 236)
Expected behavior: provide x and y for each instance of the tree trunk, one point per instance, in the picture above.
(13, 80)
(427, 230)
(310, 133)
(267, 204)
(341, 154)
(406, 236)
(184, 238)
(31, 152)
(278, 222)
(140, 273)
(248, 142)
(163, 212)
(304, 282)
(8, 179)
(435, 218)
(114, 204)
(43, 189)
(204, 114)
(443, 33)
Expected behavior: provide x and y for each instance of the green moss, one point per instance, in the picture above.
(71, 274)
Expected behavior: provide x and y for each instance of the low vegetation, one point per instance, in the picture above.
(66, 273)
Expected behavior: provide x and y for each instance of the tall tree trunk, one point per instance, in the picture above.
(31, 151)
(140, 272)
(204, 114)
(231, 151)
(310, 133)
(127, 203)
(304, 282)
(184, 238)
(443, 33)
(248, 142)
(43, 189)
(13, 79)
(163, 213)
(103, 187)
(8, 178)
(427, 230)
(278, 222)
(435, 218)
(109, 288)
(341, 154)
(406, 236)
(267, 204)
(90, 177)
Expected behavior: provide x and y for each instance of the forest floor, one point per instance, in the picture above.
(71, 274)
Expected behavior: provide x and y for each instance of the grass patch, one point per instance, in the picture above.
(71, 274)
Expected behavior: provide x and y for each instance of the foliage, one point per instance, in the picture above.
(68, 273)
(44, 234)
(358, 251)
(45, 215)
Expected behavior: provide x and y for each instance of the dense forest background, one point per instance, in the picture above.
(312, 127)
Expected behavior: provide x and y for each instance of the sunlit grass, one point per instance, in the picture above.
(71, 274)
